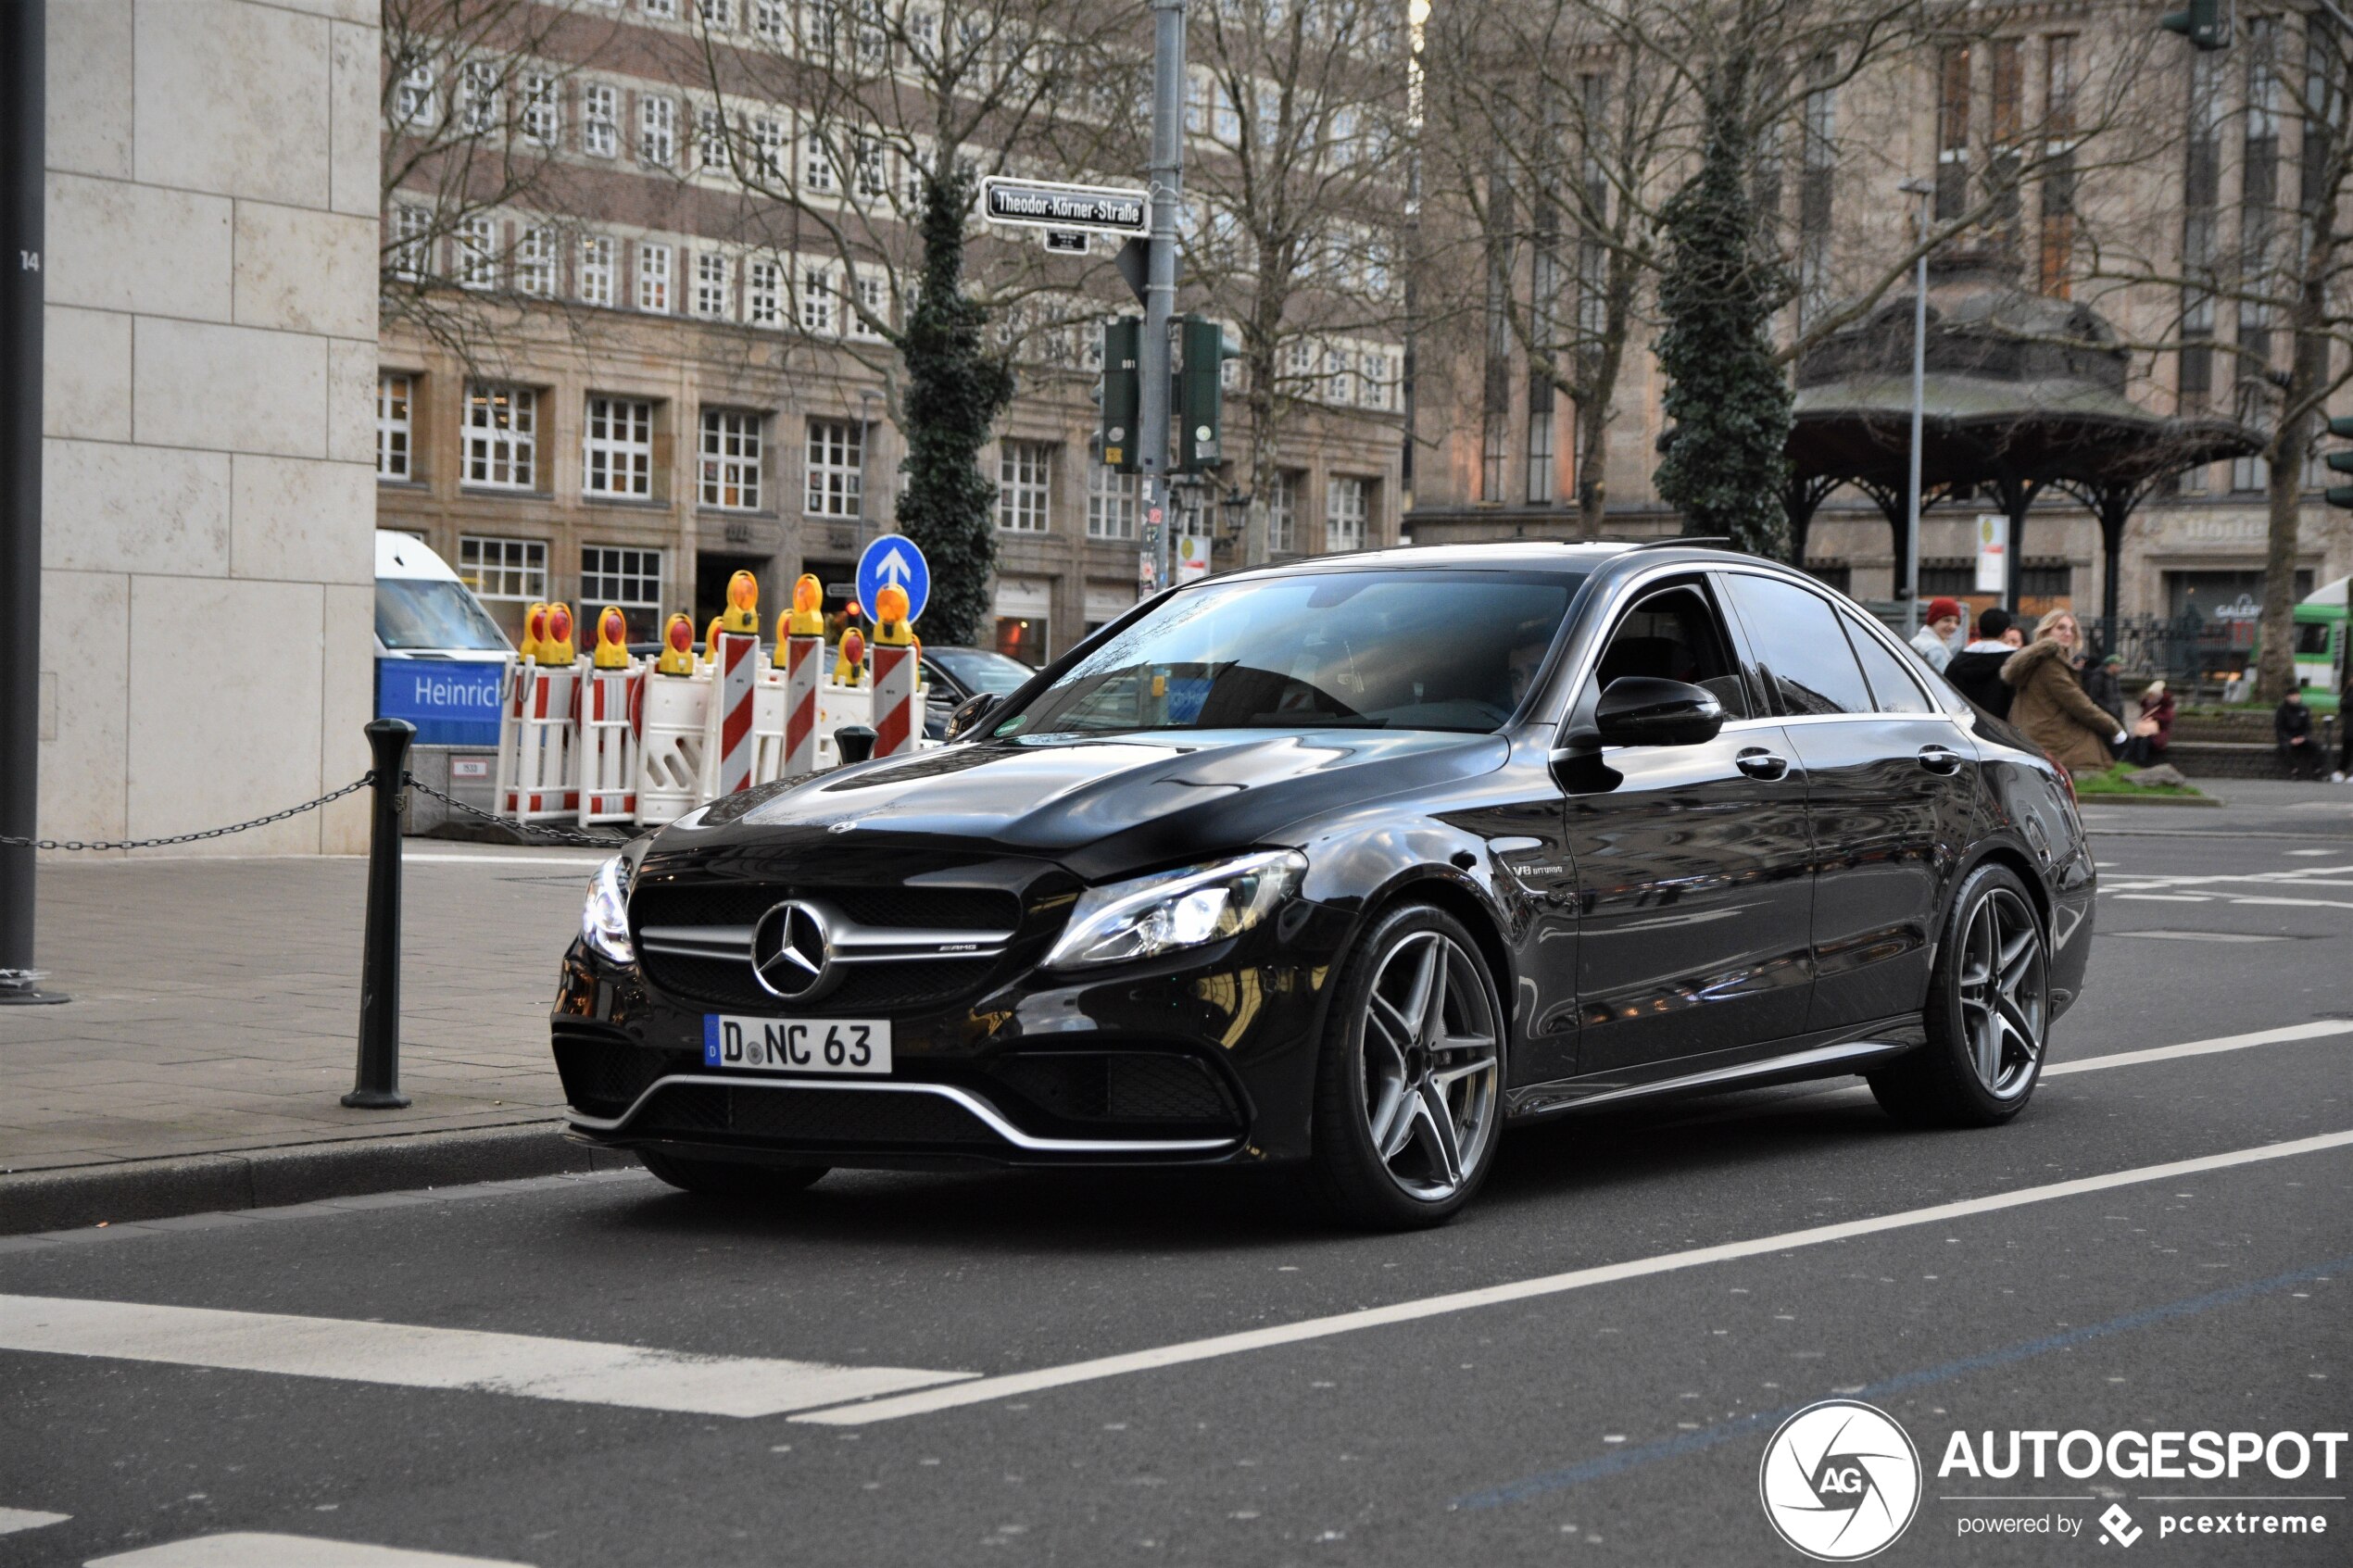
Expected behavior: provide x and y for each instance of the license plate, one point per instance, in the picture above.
(810, 1045)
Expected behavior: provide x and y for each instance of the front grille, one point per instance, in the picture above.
(1117, 1086)
(859, 1118)
(914, 986)
(604, 1075)
(736, 903)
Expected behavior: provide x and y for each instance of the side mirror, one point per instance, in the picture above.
(1645, 711)
(969, 712)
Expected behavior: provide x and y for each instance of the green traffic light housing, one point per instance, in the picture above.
(1122, 391)
(2207, 23)
(1204, 348)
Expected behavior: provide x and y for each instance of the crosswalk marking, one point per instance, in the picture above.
(413, 1357)
(15, 1519)
(248, 1550)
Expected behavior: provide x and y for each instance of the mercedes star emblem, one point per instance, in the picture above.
(792, 950)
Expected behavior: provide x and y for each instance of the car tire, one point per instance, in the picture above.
(1394, 1062)
(1988, 1013)
(729, 1178)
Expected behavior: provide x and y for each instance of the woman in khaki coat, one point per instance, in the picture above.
(2049, 703)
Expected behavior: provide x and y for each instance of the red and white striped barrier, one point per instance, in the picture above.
(804, 658)
(897, 728)
(727, 729)
(538, 779)
(611, 714)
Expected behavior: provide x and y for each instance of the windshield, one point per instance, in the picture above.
(978, 670)
(1407, 650)
(427, 612)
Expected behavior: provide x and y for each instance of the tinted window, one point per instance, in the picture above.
(981, 670)
(1806, 663)
(1674, 635)
(1893, 689)
(1408, 650)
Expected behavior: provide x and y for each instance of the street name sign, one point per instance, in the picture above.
(1044, 204)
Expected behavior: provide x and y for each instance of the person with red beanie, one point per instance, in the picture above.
(1941, 636)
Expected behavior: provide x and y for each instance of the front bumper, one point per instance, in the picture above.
(1203, 1058)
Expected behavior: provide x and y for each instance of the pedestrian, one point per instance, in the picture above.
(2292, 727)
(1940, 638)
(2153, 730)
(2048, 701)
(2102, 685)
(1976, 670)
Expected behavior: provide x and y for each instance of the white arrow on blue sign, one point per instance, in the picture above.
(893, 561)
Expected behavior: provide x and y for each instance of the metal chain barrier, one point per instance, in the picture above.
(362, 782)
(526, 830)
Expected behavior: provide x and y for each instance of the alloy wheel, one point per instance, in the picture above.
(2001, 989)
(1431, 1067)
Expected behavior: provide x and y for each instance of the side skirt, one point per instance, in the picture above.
(1829, 1054)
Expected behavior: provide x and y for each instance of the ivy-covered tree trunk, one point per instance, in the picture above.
(1726, 400)
(955, 390)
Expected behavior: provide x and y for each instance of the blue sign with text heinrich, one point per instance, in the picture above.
(450, 701)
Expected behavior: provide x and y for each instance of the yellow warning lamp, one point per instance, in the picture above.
(711, 640)
(743, 604)
(612, 639)
(555, 646)
(806, 618)
(677, 647)
(890, 618)
(535, 626)
(852, 662)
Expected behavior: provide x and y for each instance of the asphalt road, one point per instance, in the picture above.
(1598, 1394)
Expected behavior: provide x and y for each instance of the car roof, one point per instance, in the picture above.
(1524, 555)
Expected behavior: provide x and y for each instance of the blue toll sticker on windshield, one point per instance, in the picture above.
(1186, 696)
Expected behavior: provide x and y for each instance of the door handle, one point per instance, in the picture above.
(1759, 763)
(1941, 760)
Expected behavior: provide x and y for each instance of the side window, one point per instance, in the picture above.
(1674, 633)
(1807, 665)
(1892, 687)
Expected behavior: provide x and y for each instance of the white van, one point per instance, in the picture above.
(439, 656)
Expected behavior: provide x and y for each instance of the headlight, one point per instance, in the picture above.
(1160, 914)
(604, 924)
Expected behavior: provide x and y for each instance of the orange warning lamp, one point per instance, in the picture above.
(743, 604)
(711, 640)
(555, 646)
(677, 647)
(535, 626)
(890, 618)
(806, 618)
(612, 639)
(852, 662)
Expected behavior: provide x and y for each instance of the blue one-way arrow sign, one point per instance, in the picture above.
(891, 560)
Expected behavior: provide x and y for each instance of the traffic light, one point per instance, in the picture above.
(1122, 391)
(1200, 393)
(2207, 23)
(2340, 462)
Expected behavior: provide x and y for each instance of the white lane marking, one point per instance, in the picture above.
(2296, 903)
(2295, 874)
(2312, 851)
(2318, 1029)
(411, 1356)
(985, 1389)
(15, 1519)
(2198, 936)
(2168, 897)
(246, 1550)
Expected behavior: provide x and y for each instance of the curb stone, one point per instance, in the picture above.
(264, 1178)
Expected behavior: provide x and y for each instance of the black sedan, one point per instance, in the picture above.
(1348, 865)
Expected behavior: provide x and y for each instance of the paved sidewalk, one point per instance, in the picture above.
(216, 1003)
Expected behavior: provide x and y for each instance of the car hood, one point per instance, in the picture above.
(1101, 806)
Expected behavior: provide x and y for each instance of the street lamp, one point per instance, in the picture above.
(1924, 191)
(1236, 505)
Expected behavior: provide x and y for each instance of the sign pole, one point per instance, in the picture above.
(1165, 177)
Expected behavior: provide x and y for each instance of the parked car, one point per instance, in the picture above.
(1348, 866)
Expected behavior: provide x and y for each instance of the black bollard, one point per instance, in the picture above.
(855, 742)
(377, 1084)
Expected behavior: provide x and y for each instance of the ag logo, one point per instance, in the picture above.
(1841, 1481)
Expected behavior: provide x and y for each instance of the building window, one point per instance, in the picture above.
(618, 575)
(1111, 502)
(535, 263)
(764, 294)
(718, 16)
(768, 143)
(657, 130)
(836, 468)
(477, 253)
(1339, 381)
(2250, 474)
(599, 120)
(2045, 579)
(394, 399)
(478, 97)
(772, 19)
(504, 570)
(713, 296)
(1542, 427)
(501, 436)
(868, 169)
(542, 115)
(1378, 381)
(2059, 184)
(1282, 512)
(664, 8)
(619, 446)
(2201, 202)
(596, 269)
(731, 459)
(1344, 508)
(1952, 134)
(875, 298)
(817, 301)
(413, 105)
(1817, 174)
(711, 141)
(817, 164)
(1024, 486)
(412, 243)
(653, 277)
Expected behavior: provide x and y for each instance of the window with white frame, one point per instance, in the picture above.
(817, 28)
(1340, 382)
(477, 253)
(620, 575)
(765, 293)
(874, 41)
(599, 120)
(501, 436)
(1282, 510)
(653, 277)
(509, 570)
(718, 16)
(874, 296)
(542, 112)
(478, 97)
(768, 140)
(731, 459)
(713, 298)
(1111, 502)
(619, 446)
(817, 313)
(411, 243)
(395, 399)
(817, 163)
(1345, 501)
(413, 104)
(870, 170)
(837, 470)
(1378, 383)
(661, 7)
(657, 130)
(772, 19)
(1024, 486)
(1299, 359)
(596, 269)
(535, 263)
(711, 140)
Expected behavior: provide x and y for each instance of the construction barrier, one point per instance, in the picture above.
(896, 726)
(800, 644)
(538, 776)
(611, 714)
